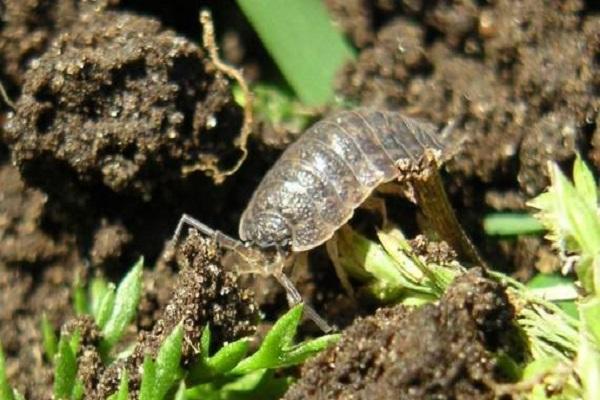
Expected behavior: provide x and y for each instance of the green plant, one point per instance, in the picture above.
(303, 42)
(230, 373)
(569, 210)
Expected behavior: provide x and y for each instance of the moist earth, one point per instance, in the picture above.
(115, 100)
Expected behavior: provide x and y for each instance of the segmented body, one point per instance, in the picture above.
(319, 180)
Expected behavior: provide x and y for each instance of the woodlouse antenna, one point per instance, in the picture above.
(253, 261)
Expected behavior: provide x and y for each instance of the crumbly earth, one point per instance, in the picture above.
(119, 100)
(203, 293)
(520, 77)
(441, 351)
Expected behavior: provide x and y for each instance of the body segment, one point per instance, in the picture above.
(320, 179)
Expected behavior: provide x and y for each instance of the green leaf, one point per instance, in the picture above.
(125, 305)
(511, 224)
(277, 349)
(97, 288)
(65, 369)
(79, 298)
(273, 346)
(205, 340)
(180, 394)
(585, 183)
(6, 391)
(576, 216)
(168, 369)
(303, 351)
(588, 366)
(589, 312)
(105, 306)
(553, 287)
(302, 40)
(123, 391)
(49, 338)
(148, 379)
(78, 390)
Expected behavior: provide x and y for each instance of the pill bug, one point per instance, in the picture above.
(319, 180)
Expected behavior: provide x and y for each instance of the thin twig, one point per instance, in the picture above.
(210, 44)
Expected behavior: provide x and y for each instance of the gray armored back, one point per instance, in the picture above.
(320, 180)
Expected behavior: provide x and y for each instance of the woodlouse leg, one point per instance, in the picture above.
(220, 237)
(294, 297)
(252, 264)
(332, 250)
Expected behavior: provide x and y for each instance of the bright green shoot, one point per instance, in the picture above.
(303, 42)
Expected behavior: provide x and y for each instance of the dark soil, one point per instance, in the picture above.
(116, 102)
(442, 351)
(521, 77)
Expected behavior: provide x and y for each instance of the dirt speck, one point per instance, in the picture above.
(443, 350)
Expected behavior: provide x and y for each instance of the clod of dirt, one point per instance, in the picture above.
(21, 238)
(109, 241)
(553, 138)
(437, 351)
(118, 101)
(27, 27)
(204, 293)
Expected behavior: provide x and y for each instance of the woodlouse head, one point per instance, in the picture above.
(266, 230)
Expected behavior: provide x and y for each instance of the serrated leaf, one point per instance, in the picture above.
(123, 391)
(105, 306)
(588, 366)
(228, 356)
(79, 298)
(276, 341)
(6, 391)
(585, 183)
(65, 369)
(148, 379)
(589, 313)
(303, 351)
(49, 338)
(575, 215)
(97, 287)
(168, 369)
(205, 340)
(125, 305)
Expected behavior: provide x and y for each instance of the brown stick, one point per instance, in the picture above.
(431, 197)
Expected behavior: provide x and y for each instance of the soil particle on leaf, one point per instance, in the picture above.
(204, 293)
(118, 101)
(441, 351)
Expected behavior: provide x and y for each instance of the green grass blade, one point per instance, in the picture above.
(302, 40)
(49, 338)
(168, 370)
(511, 224)
(148, 379)
(65, 369)
(125, 305)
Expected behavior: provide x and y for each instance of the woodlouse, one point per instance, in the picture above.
(319, 180)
